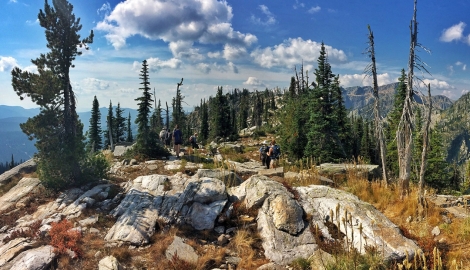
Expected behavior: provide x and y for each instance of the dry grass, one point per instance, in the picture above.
(246, 244)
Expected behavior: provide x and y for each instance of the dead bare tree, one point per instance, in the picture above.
(421, 200)
(371, 70)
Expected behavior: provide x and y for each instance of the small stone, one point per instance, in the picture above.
(98, 254)
(231, 230)
(436, 231)
(222, 239)
(219, 229)
(409, 219)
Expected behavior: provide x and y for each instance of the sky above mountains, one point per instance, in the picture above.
(251, 44)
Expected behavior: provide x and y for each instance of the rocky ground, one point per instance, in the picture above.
(188, 213)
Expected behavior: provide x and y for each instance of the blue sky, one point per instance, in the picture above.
(249, 44)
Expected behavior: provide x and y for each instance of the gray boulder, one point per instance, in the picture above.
(174, 199)
(28, 166)
(33, 259)
(182, 250)
(109, 263)
(15, 194)
(377, 230)
(229, 178)
(14, 247)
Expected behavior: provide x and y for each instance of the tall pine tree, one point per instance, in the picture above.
(95, 142)
(119, 124)
(57, 129)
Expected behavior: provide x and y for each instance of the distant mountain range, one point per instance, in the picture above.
(358, 100)
(14, 142)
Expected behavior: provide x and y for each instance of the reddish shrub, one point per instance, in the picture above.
(63, 238)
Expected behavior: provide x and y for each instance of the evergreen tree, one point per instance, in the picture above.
(109, 127)
(12, 162)
(220, 124)
(244, 109)
(438, 172)
(129, 137)
(94, 132)
(392, 126)
(178, 117)
(119, 125)
(204, 134)
(156, 121)
(324, 142)
(145, 105)
(57, 129)
(257, 112)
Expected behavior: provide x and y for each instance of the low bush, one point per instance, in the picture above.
(63, 238)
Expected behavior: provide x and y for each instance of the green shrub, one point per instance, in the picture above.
(95, 167)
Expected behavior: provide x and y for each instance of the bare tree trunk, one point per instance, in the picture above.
(405, 127)
(378, 122)
(421, 200)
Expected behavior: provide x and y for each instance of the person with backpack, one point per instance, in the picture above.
(263, 154)
(274, 154)
(168, 139)
(193, 141)
(177, 140)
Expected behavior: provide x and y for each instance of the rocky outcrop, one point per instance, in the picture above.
(18, 192)
(175, 199)
(28, 166)
(367, 170)
(321, 202)
(109, 263)
(33, 259)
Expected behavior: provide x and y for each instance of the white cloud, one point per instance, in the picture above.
(105, 8)
(348, 80)
(234, 52)
(298, 4)
(213, 54)
(184, 49)
(314, 9)
(232, 67)
(172, 21)
(464, 91)
(436, 84)
(293, 52)
(7, 63)
(253, 81)
(464, 66)
(155, 64)
(452, 33)
(270, 19)
(448, 93)
(29, 22)
(204, 68)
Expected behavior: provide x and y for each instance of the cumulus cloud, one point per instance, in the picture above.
(253, 81)
(293, 52)
(436, 84)
(155, 64)
(464, 91)
(7, 63)
(363, 80)
(232, 67)
(204, 68)
(452, 33)
(104, 9)
(314, 9)
(173, 21)
(270, 19)
(184, 49)
(214, 54)
(234, 52)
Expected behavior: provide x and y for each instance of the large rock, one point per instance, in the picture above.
(34, 259)
(13, 248)
(182, 250)
(28, 166)
(367, 170)
(24, 186)
(255, 190)
(174, 199)
(377, 230)
(109, 263)
(246, 168)
(229, 178)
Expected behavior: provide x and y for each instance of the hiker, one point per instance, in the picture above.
(263, 154)
(163, 136)
(274, 154)
(168, 139)
(177, 140)
(193, 141)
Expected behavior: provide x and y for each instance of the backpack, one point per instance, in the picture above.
(276, 151)
(264, 150)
